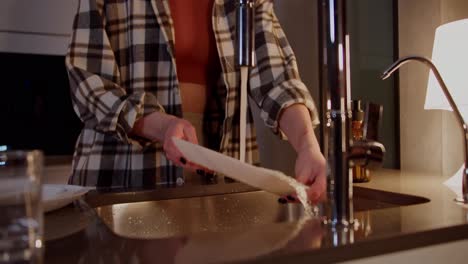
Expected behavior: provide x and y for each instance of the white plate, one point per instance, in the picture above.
(266, 179)
(55, 196)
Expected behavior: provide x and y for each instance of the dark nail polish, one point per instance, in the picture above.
(290, 198)
(282, 200)
(201, 172)
(229, 180)
(183, 160)
(210, 176)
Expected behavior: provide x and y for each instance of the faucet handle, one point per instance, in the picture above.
(366, 153)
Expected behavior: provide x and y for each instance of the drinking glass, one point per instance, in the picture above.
(21, 216)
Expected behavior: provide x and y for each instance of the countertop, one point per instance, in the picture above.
(77, 233)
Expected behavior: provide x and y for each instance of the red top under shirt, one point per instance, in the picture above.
(195, 45)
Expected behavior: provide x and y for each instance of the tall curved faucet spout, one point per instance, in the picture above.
(387, 73)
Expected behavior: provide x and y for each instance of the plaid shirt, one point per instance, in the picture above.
(121, 67)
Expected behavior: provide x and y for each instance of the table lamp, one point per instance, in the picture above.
(450, 55)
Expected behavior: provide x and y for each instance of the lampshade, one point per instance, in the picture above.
(450, 56)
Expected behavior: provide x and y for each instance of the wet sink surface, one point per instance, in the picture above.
(225, 213)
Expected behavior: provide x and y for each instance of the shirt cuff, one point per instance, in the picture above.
(282, 96)
(128, 111)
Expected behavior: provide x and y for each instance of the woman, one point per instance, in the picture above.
(139, 68)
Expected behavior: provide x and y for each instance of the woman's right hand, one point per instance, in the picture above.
(162, 127)
(178, 128)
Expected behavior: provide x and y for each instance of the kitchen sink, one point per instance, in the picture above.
(233, 212)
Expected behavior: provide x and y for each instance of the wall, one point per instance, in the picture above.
(46, 23)
(371, 29)
(430, 140)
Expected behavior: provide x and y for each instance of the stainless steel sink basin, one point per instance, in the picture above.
(235, 212)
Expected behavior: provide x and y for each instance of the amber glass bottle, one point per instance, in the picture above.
(360, 173)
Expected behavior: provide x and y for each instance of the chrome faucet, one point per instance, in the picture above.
(460, 119)
(340, 151)
(335, 104)
(245, 33)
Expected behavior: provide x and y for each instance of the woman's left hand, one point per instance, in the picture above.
(311, 170)
(311, 166)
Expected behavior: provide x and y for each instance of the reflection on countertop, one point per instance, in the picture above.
(286, 236)
(67, 221)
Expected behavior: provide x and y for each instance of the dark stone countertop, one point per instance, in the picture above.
(130, 226)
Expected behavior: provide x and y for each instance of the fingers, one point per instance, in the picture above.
(174, 155)
(194, 167)
(202, 171)
(317, 182)
(175, 130)
(292, 198)
(317, 189)
(181, 129)
(304, 178)
(172, 152)
(311, 170)
(190, 133)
